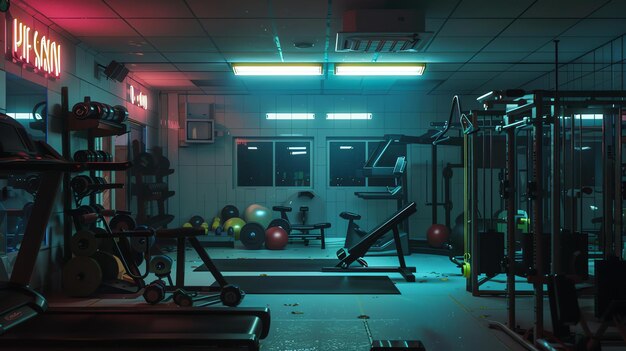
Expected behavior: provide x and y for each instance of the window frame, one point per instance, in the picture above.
(273, 141)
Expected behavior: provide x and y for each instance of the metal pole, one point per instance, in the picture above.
(537, 217)
(556, 171)
(617, 245)
(510, 226)
(435, 202)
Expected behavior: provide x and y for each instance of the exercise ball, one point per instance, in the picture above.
(228, 212)
(437, 235)
(276, 238)
(256, 213)
(236, 224)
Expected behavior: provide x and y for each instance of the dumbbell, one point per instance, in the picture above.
(86, 110)
(82, 185)
(120, 114)
(106, 111)
(161, 265)
(84, 156)
(84, 243)
(154, 292)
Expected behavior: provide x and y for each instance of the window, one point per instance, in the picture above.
(347, 158)
(273, 162)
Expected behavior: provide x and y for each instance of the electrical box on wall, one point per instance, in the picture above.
(198, 124)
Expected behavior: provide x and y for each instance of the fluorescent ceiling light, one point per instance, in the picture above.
(252, 148)
(346, 147)
(348, 116)
(21, 115)
(291, 116)
(297, 148)
(298, 152)
(379, 69)
(277, 69)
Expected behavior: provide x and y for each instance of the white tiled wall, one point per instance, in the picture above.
(204, 176)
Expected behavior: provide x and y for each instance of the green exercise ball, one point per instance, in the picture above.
(258, 214)
(236, 223)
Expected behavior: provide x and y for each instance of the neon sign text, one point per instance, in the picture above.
(36, 50)
(138, 98)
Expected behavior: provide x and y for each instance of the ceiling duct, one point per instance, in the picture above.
(384, 31)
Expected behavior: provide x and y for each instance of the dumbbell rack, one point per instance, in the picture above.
(161, 219)
(94, 128)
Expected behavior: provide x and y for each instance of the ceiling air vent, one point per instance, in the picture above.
(383, 31)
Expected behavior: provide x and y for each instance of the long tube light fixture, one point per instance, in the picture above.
(348, 116)
(379, 69)
(277, 69)
(290, 116)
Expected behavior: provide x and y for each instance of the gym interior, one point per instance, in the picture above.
(312, 175)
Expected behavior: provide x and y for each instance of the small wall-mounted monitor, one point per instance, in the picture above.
(200, 131)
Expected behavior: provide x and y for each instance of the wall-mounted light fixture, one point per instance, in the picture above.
(290, 116)
(379, 69)
(277, 69)
(348, 116)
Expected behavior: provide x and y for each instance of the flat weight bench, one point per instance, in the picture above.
(303, 231)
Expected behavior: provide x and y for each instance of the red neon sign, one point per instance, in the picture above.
(39, 52)
(137, 97)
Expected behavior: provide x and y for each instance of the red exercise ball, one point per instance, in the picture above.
(437, 235)
(276, 238)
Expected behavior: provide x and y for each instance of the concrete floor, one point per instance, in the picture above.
(436, 309)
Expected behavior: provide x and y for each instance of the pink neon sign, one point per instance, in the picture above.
(37, 51)
(137, 97)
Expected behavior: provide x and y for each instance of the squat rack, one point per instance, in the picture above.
(538, 111)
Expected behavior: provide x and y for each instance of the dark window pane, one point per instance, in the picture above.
(346, 160)
(254, 163)
(293, 163)
(388, 159)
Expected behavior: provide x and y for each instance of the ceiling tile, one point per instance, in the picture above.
(73, 9)
(473, 28)
(299, 9)
(517, 44)
(181, 44)
(196, 57)
(443, 67)
(538, 27)
(436, 8)
(245, 44)
(153, 67)
(598, 27)
(233, 27)
(251, 56)
(118, 44)
(229, 9)
(135, 57)
(303, 57)
(161, 75)
(474, 75)
(576, 44)
(421, 85)
(479, 67)
(169, 83)
(532, 67)
(560, 9)
(614, 9)
(457, 84)
(167, 27)
(96, 27)
(548, 57)
(223, 75)
(202, 67)
(151, 8)
(301, 30)
(457, 44)
(499, 57)
(490, 9)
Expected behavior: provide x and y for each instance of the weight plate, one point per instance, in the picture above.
(83, 110)
(141, 243)
(154, 292)
(108, 264)
(122, 223)
(81, 276)
(121, 113)
(196, 221)
(145, 162)
(161, 265)
(252, 235)
(80, 184)
(280, 222)
(84, 243)
(231, 295)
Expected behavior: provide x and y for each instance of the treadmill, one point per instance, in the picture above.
(27, 322)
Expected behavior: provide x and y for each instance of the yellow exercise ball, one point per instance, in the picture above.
(236, 223)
